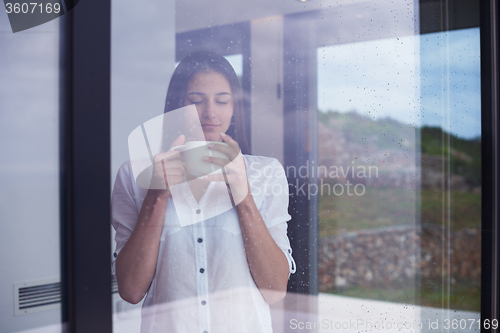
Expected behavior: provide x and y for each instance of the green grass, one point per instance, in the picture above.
(404, 295)
(376, 208)
(461, 297)
(465, 209)
(391, 207)
(464, 154)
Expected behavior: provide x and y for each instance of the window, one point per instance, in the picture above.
(382, 114)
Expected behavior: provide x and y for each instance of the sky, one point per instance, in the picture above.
(431, 79)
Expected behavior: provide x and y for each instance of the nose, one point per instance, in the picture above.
(209, 111)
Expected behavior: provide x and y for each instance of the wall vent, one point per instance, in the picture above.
(114, 285)
(42, 295)
(37, 296)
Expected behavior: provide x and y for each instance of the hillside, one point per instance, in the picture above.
(397, 149)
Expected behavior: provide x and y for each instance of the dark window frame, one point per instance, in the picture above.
(85, 94)
(490, 94)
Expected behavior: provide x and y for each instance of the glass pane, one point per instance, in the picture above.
(374, 126)
(451, 149)
(29, 174)
(403, 127)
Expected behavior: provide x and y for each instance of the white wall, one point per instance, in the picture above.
(267, 72)
(29, 165)
(143, 59)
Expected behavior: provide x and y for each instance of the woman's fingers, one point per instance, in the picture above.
(225, 149)
(232, 144)
(173, 168)
(171, 154)
(234, 175)
(228, 139)
(178, 142)
(235, 170)
(174, 164)
(168, 168)
(167, 156)
(216, 160)
(173, 171)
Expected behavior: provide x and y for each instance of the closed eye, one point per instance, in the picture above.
(223, 100)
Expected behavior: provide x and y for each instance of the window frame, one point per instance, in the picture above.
(490, 93)
(85, 113)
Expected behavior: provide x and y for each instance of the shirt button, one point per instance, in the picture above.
(203, 302)
(202, 270)
(198, 211)
(200, 240)
(115, 254)
(205, 331)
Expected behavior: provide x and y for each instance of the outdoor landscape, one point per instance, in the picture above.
(428, 181)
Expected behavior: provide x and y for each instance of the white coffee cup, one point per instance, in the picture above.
(192, 154)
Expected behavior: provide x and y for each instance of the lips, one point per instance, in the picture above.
(209, 126)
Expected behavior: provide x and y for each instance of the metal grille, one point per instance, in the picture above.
(42, 295)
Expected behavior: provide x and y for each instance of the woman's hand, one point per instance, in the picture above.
(168, 169)
(234, 168)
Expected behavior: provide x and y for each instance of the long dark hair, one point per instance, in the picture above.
(206, 61)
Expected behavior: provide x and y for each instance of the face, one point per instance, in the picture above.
(211, 93)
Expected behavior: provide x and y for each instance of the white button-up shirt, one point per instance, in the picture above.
(202, 281)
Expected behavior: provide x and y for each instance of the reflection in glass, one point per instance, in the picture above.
(209, 252)
(411, 233)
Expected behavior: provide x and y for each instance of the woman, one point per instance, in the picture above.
(220, 274)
